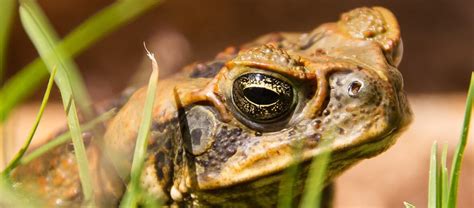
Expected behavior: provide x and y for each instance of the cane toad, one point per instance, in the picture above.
(225, 130)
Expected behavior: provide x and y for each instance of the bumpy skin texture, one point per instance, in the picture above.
(205, 150)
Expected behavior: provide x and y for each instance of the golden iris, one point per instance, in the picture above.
(262, 98)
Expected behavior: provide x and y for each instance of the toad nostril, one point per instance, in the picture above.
(354, 88)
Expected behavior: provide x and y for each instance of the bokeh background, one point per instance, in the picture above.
(437, 63)
(438, 36)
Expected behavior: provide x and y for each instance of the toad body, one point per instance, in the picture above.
(224, 131)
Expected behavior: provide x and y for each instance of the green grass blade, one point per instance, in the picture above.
(20, 86)
(14, 198)
(458, 155)
(65, 137)
(433, 178)
(151, 202)
(33, 23)
(285, 192)
(439, 181)
(287, 183)
(315, 181)
(23, 84)
(7, 11)
(23, 149)
(78, 87)
(132, 195)
(444, 178)
(408, 205)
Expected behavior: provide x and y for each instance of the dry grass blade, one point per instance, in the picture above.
(408, 205)
(132, 196)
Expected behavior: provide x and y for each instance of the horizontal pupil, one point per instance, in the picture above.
(261, 96)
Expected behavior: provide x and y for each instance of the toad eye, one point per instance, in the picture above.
(262, 98)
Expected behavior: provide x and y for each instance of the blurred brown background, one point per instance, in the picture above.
(437, 63)
(437, 35)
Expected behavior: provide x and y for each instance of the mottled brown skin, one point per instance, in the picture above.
(205, 151)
